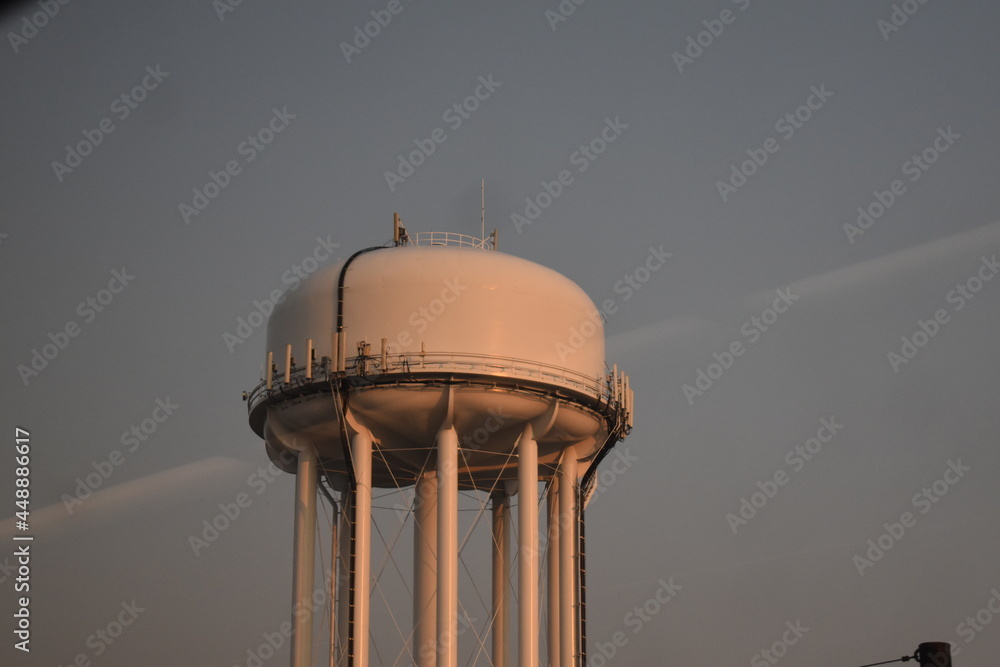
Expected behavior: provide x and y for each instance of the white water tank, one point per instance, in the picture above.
(397, 332)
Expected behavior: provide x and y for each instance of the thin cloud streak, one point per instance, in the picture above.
(896, 265)
(150, 493)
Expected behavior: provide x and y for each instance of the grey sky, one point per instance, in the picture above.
(888, 97)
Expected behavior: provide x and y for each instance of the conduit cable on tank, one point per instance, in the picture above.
(905, 658)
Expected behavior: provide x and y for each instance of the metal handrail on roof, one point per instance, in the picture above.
(406, 363)
(451, 238)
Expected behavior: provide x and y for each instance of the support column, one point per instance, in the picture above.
(304, 559)
(527, 569)
(447, 548)
(334, 583)
(425, 536)
(567, 493)
(501, 575)
(344, 577)
(581, 557)
(552, 580)
(361, 455)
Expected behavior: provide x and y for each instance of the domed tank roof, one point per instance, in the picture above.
(309, 310)
(444, 300)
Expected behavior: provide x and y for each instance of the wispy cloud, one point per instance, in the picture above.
(152, 492)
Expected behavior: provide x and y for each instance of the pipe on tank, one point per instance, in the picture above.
(344, 578)
(340, 288)
(553, 579)
(270, 367)
(334, 558)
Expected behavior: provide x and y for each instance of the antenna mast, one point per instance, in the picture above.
(482, 191)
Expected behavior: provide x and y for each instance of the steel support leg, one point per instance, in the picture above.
(501, 574)
(305, 558)
(447, 548)
(527, 569)
(425, 536)
(568, 566)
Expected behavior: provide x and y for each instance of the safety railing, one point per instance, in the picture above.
(451, 238)
(407, 363)
(612, 390)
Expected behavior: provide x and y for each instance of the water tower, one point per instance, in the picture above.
(437, 364)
